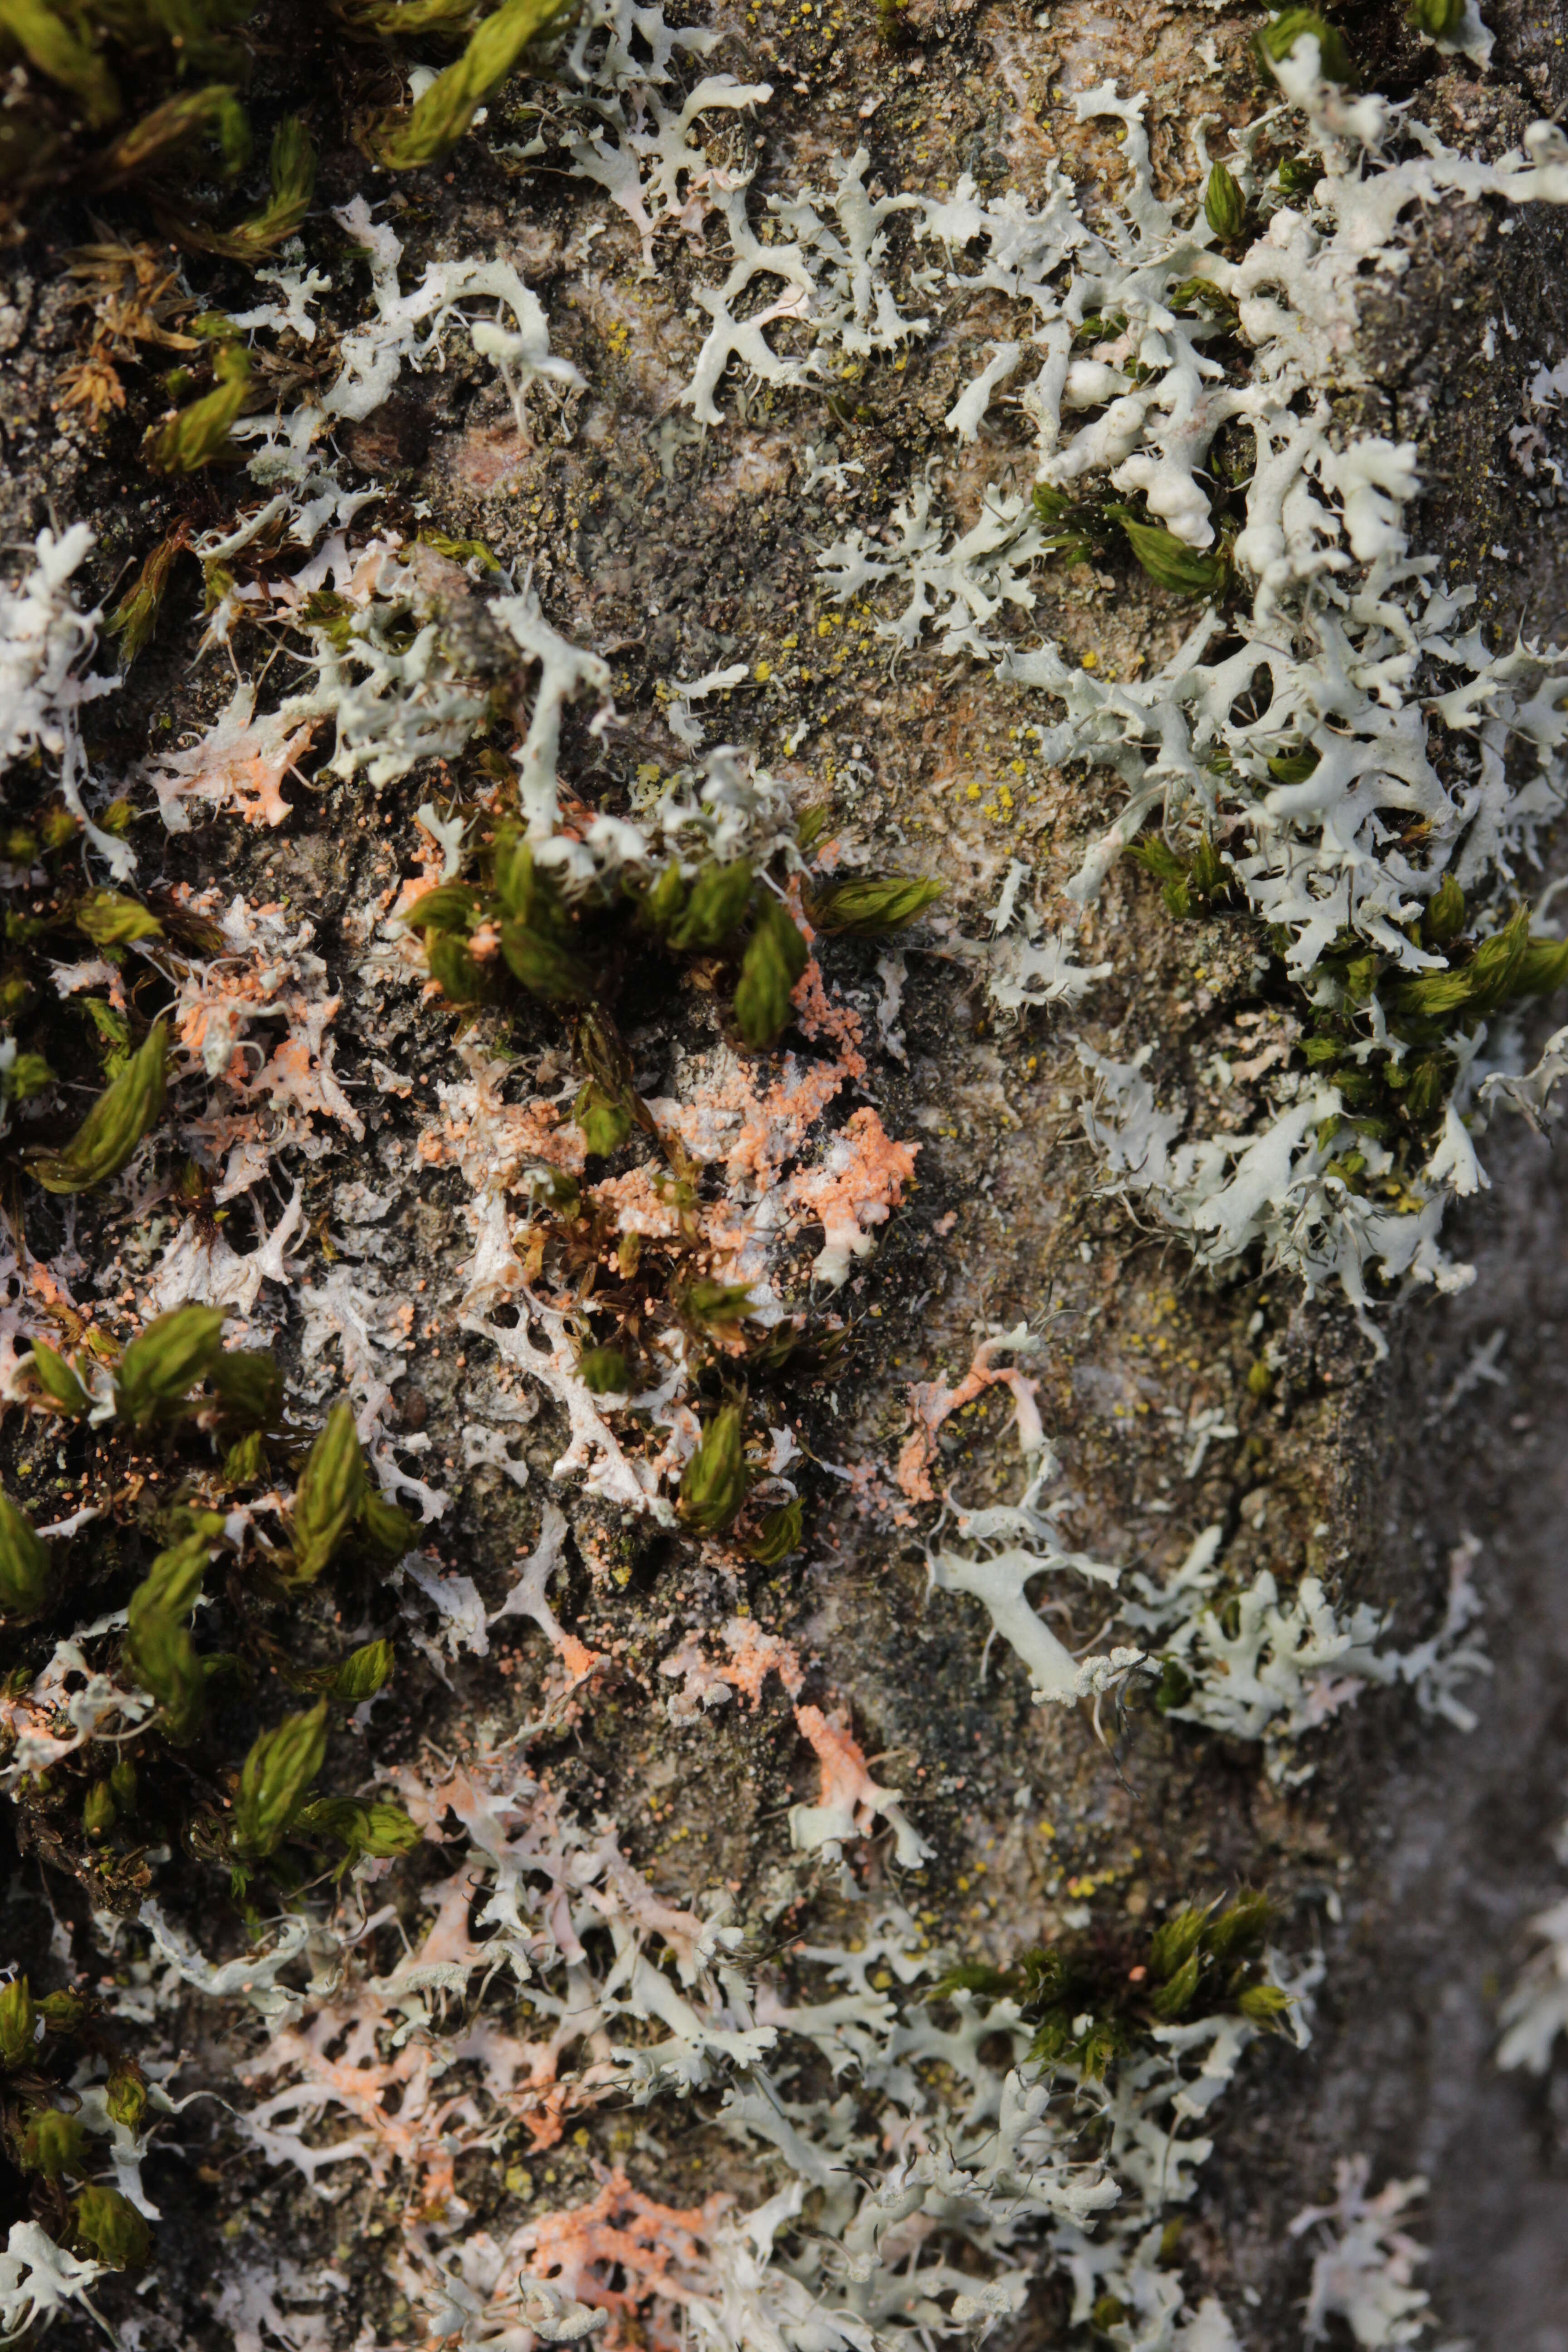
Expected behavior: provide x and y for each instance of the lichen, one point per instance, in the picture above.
(666, 1149)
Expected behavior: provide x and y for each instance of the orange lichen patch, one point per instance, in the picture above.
(748, 1125)
(851, 1800)
(438, 2196)
(915, 1457)
(494, 1142)
(578, 1658)
(432, 857)
(777, 1125)
(299, 1075)
(754, 1655)
(464, 1793)
(752, 1134)
(523, 2076)
(93, 973)
(239, 763)
(819, 1017)
(432, 849)
(858, 1185)
(202, 1033)
(871, 1497)
(506, 1136)
(522, 1823)
(752, 1131)
(216, 1001)
(264, 1093)
(933, 1402)
(622, 2251)
(539, 1893)
(32, 1293)
(846, 1785)
(520, 2074)
(47, 1288)
(598, 1554)
(410, 893)
(573, 816)
(639, 1204)
(447, 1940)
(335, 2061)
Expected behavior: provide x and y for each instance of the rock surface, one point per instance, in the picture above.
(1408, 1852)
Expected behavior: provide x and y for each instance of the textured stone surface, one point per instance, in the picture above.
(1414, 1852)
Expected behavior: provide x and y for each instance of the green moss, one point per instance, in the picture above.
(1092, 2003)
(53, 1047)
(40, 2133)
(155, 1778)
(438, 119)
(1386, 1039)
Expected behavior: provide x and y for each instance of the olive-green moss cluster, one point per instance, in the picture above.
(1097, 528)
(1092, 2003)
(1388, 1040)
(1398, 1090)
(728, 920)
(111, 91)
(51, 1046)
(169, 1439)
(1275, 40)
(43, 2042)
(158, 94)
(1440, 20)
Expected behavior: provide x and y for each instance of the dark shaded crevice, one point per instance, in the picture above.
(1456, 1829)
